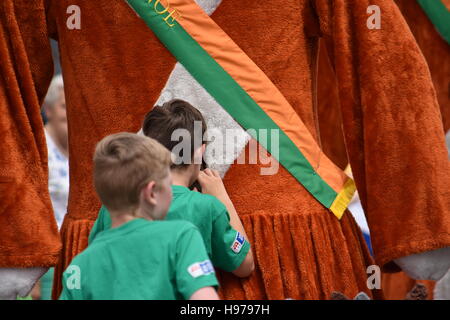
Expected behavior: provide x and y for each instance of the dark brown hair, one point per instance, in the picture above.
(162, 121)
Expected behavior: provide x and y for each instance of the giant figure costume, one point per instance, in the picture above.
(115, 70)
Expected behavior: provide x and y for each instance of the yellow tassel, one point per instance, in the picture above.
(343, 199)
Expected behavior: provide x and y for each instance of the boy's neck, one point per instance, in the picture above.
(117, 221)
(120, 218)
(182, 177)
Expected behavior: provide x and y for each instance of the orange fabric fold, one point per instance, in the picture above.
(74, 234)
(28, 231)
(301, 265)
(437, 55)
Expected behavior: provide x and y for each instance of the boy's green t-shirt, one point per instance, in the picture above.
(226, 247)
(141, 260)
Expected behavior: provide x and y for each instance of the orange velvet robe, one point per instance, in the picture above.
(114, 69)
(437, 55)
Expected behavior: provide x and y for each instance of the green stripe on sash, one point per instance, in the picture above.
(439, 15)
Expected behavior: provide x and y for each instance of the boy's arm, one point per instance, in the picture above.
(235, 221)
(194, 274)
(212, 184)
(207, 293)
(248, 265)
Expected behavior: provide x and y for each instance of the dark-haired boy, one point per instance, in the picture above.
(212, 210)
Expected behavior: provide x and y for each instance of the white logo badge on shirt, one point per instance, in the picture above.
(238, 243)
(201, 269)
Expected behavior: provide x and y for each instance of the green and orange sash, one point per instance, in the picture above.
(439, 14)
(246, 93)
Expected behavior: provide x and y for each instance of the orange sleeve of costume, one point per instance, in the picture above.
(392, 126)
(435, 49)
(28, 232)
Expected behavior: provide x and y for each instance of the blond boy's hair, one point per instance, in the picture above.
(123, 164)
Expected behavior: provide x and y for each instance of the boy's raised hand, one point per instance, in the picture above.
(212, 184)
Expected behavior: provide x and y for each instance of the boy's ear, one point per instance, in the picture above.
(198, 154)
(149, 192)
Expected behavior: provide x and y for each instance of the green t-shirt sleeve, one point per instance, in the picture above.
(194, 270)
(229, 247)
(102, 223)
